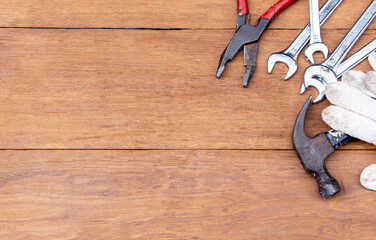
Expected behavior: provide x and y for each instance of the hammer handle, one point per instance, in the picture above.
(277, 8)
(337, 138)
(242, 7)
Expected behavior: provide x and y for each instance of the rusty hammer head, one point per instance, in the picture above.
(312, 153)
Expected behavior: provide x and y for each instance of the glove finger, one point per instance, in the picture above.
(355, 79)
(350, 123)
(352, 99)
(368, 177)
(370, 82)
(372, 60)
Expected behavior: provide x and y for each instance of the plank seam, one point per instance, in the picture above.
(159, 29)
(159, 149)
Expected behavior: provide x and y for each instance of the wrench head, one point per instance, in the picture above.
(286, 59)
(318, 76)
(316, 47)
(319, 85)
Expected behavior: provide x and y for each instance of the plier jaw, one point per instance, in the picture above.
(245, 35)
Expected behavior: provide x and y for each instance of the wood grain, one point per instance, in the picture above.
(179, 195)
(135, 89)
(161, 14)
(82, 83)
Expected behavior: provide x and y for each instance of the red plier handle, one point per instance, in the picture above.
(272, 12)
(277, 8)
(242, 7)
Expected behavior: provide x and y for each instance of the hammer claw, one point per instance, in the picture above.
(299, 133)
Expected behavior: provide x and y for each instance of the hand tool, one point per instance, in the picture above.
(319, 81)
(250, 50)
(316, 43)
(289, 56)
(312, 152)
(319, 75)
(356, 58)
(247, 34)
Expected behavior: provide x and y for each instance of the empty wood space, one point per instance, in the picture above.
(114, 126)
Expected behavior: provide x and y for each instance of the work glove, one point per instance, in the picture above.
(353, 110)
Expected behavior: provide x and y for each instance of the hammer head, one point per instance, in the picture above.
(312, 153)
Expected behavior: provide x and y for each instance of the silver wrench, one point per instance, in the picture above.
(356, 58)
(319, 82)
(326, 71)
(316, 44)
(289, 56)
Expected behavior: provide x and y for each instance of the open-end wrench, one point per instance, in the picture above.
(319, 82)
(289, 56)
(319, 75)
(356, 58)
(316, 44)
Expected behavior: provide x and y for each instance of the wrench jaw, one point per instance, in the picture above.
(319, 85)
(318, 76)
(283, 58)
(316, 47)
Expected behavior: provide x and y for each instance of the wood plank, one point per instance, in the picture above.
(179, 195)
(160, 14)
(131, 89)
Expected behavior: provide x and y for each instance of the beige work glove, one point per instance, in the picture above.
(353, 111)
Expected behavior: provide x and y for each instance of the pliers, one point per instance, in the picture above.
(247, 35)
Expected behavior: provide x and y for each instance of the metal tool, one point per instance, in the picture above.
(312, 152)
(247, 34)
(316, 44)
(319, 75)
(320, 81)
(289, 56)
(356, 58)
(250, 50)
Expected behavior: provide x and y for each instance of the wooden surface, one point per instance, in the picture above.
(113, 126)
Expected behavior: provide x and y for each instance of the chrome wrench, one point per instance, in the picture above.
(316, 44)
(356, 58)
(347, 65)
(289, 56)
(326, 71)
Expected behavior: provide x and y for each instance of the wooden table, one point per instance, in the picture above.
(113, 126)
